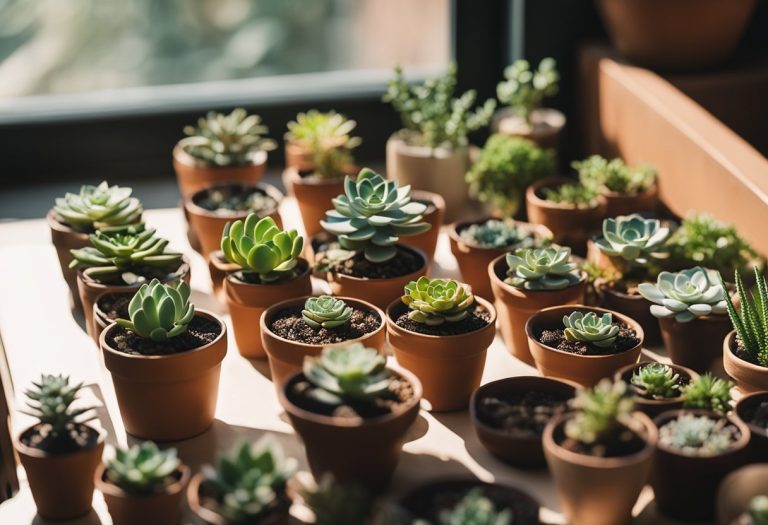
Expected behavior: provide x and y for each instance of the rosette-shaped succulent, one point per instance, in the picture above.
(708, 392)
(600, 411)
(591, 328)
(142, 468)
(263, 251)
(98, 206)
(372, 214)
(325, 312)
(495, 233)
(435, 301)
(475, 509)
(541, 269)
(159, 311)
(685, 295)
(315, 128)
(656, 381)
(632, 238)
(697, 435)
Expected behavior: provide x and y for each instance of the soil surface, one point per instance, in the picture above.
(211, 500)
(200, 332)
(231, 200)
(626, 340)
(742, 353)
(403, 263)
(477, 319)
(622, 442)
(757, 414)
(522, 413)
(289, 324)
(78, 437)
(115, 305)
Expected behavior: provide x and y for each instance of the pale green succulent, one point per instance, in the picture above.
(524, 89)
(589, 328)
(751, 319)
(602, 175)
(541, 269)
(143, 468)
(573, 195)
(632, 238)
(657, 381)
(159, 311)
(325, 312)
(50, 401)
(495, 233)
(685, 295)
(697, 435)
(436, 301)
(372, 214)
(758, 510)
(600, 411)
(475, 509)
(708, 392)
(98, 207)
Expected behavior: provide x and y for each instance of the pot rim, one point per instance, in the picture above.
(26, 450)
(342, 276)
(533, 198)
(239, 282)
(110, 488)
(738, 445)
(728, 343)
(392, 326)
(181, 156)
(60, 227)
(183, 269)
(437, 201)
(692, 374)
(456, 227)
(266, 189)
(218, 261)
(512, 290)
(755, 429)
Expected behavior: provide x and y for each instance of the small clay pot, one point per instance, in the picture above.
(749, 377)
(313, 196)
(654, 407)
(100, 318)
(697, 343)
(167, 397)
(427, 241)
(219, 268)
(587, 370)
(595, 490)
(516, 306)
(163, 508)
(635, 306)
(449, 367)
(520, 450)
(65, 239)
(758, 444)
(685, 486)
(737, 490)
(286, 357)
(626, 204)
(545, 128)
(298, 156)
(61, 484)
(246, 302)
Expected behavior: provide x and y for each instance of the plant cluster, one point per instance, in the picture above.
(335, 503)
(50, 401)
(159, 311)
(758, 510)
(632, 238)
(142, 469)
(572, 195)
(475, 509)
(589, 328)
(602, 175)
(327, 137)
(436, 301)
(697, 435)
(541, 269)
(709, 393)
(600, 411)
(751, 320)
(98, 207)
(685, 295)
(524, 90)
(656, 381)
(325, 312)
(495, 233)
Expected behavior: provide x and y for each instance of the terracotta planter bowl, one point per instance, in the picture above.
(427, 241)
(65, 239)
(758, 443)
(695, 344)
(545, 130)
(622, 204)
(635, 306)
(749, 377)
(654, 407)
(193, 175)
(737, 489)
(313, 196)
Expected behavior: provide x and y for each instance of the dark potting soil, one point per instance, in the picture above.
(477, 319)
(623, 442)
(200, 332)
(626, 340)
(78, 437)
(289, 324)
(757, 415)
(403, 263)
(742, 353)
(115, 305)
(209, 498)
(521, 413)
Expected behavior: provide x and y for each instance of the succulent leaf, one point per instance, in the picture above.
(541, 269)
(142, 469)
(589, 328)
(326, 312)
(686, 295)
(159, 311)
(436, 301)
(98, 207)
(632, 238)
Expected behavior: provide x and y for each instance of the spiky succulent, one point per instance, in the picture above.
(436, 301)
(591, 328)
(524, 89)
(143, 468)
(685, 295)
(698, 435)
(326, 312)
(327, 138)
(50, 401)
(751, 320)
(372, 214)
(475, 509)
(336, 503)
(709, 393)
(600, 411)
(495, 233)
(632, 238)
(656, 381)
(572, 195)
(227, 140)
(758, 510)
(602, 175)
(264, 252)
(541, 269)
(98, 207)
(159, 311)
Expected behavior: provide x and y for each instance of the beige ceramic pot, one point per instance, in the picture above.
(194, 175)
(65, 239)
(654, 407)
(313, 196)
(545, 128)
(749, 377)
(427, 241)
(697, 343)
(737, 490)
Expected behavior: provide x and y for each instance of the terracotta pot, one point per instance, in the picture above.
(679, 35)
(65, 239)
(696, 344)
(515, 306)
(100, 318)
(736, 491)
(246, 303)
(194, 175)
(685, 486)
(219, 268)
(654, 407)
(61, 484)
(545, 129)
(208, 226)
(749, 377)
(635, 306)
(313, 196)
(163, 508)
(437, 170)
(595, 490)
(298, 156)
(449, 367)
(286, 357)
(364, 451)
(586, 370)
(427, 241)
(758, 443)
(167, 397)
(623, 204)
(519, 450)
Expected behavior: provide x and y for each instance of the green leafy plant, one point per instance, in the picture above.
(98, 207)
(495, 233)
(697, 435)
(657, 381)
(709, 393)
(572, 195)
(335, 503)
(600, 412)
(159, 311)
(758, 510)
(327, 138)
(436, 301)
(475, 509)
(431, 114)
(541, 269)
(371, 215)
(143, 468)
(751, 320)
(326, 312)
(589, 328)
(524, 89)
(685, 295)
(632, 238)
(602, 175)
(50, 401)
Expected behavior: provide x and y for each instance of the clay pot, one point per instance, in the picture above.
(298, 156)
(515, 306)
(635, 306)
(449, 367)
(167, 397)
(595, 490)
(737, 490)
(685, 486)
(427, 241)
(313, 196)
(364, 451)
(194, 175)
(286, 357)
(163, 508)
(654, 407)
(545, 129)
(219, 268)
(61, 484)
(677, 35)
(246, 302)
(749, 377)
(695, 344)
(100, 318)
(209, 517)
(587, 370)
(626, 204)
(65, 239)
(759, 440)
(520, 450)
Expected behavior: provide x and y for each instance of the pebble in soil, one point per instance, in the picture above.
(522, 413)
(78, 437)
(289, 324)
(200, 331)
(626, 340)
(477, 319)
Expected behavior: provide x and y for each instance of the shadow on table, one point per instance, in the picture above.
(261, 366)
(89, 519)
(77, 313)
(103, 414)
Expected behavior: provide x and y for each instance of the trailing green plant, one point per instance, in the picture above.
(600, 412)
(709, 393)
(50, 400)
(614, 176)
(541, 269)
(98, 207)
(572, 195)
(632, 238)
(326, 312)
(336, 503)
(685, 295)
(751, 320)
(495, 233)
(436, 301)
(371, 215)
(758, 510)
(432, 115)
(159, 311)
(524, 90)
(327, 138)
(589, 328)
(505, 167)
(475, 509)
(656, 381)
(697, 435)
(143, 468)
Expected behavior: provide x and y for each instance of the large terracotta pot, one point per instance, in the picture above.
(364, 451)
(167, 397)
(194, 175)
(635, 306)
(749, 377)
(246, 302)
(515, 306)
(654, 407)
(758, 443)
(696, 344)
(737, 490)
(545, 129)
(313, 196)
(61, 484)
(65, 239)
(298, 156)
(623, 204)
(449, 367)
(427, 241)
(286, 357)
(595, 490)
(586, 370)
(679, 35)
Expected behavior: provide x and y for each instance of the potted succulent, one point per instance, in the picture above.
(441, 332)
(165, 362)
(657, 387)
(708, 392)
(742, 497)
(247, 486)
(522, 92)
(345, 397)
(625, 190)
(334, 503)
(528, 280)
(752, 409)
(431, 152)
(143, 484)
(268, 269)
(60, 452)
(433, 215)
(600, 455)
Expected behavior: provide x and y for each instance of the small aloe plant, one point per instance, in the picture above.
(751, 320)
(436, 301)
(142, 469)
(709, 393)
(159, 311)
(589, 328)
(326, 312)
(600, 412)
(657, 381)
(697, 435)
(685, 295)
(632, 238)
(50, 401)
(98, 207)
(541, 269)
(475, 509)
(525, 89)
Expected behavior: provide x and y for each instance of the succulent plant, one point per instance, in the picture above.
(758, 510)
(336, 503)
(227, 140)
(709, 393)
(98, 207)
(685, 295)
(159, 311)
(600, 411)
(475, 509)
(495, 233)
(589, 328)
(329, 128)
(436, 301)
(751, 320)
(632, 238)
(265, 253)
(524, 90)
(657, 381)
(142, 468)
(572, 195)
(541, 269)
(325, 312)
(50, 401)
(697, 435)
(602, 175)
(372, 214)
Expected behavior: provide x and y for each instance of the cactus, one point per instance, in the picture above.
(435, 301)
(325, 312)
(159, 311)
(751, 320)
